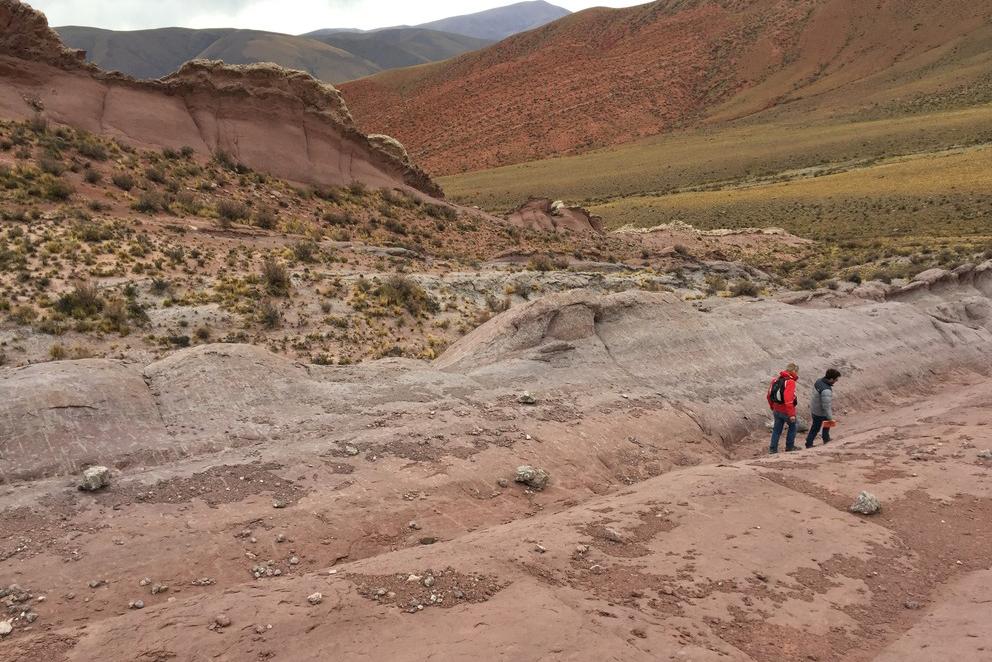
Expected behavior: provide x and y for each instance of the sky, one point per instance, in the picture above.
(289, 16)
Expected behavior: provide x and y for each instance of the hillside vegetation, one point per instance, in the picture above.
(883, 197)
(734, 155)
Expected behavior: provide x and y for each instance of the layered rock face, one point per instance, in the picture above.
(709, 365)
(284, 123)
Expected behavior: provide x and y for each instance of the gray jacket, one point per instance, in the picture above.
(823, 400)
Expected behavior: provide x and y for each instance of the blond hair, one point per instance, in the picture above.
(792, 367)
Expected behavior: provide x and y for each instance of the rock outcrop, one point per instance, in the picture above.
(285, 123)
(545, 214)
(710, 366)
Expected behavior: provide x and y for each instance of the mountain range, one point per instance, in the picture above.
(333, 55)
(605, 77)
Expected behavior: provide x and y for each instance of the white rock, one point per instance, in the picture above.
(95, 478)
(866, 504)
(315, 598)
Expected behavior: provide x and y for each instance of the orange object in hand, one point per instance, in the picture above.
(829, 424)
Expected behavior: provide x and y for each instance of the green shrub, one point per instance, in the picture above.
(441, 212)
(340, 218)
(745, 288)
(91, 232)
(265, 218)
(150, 202)
(306, 251)
(58, 190)
(230, 211)
(51, 165)
(269, 314)
(38, 123)
(276, 277)
(541, 263)
(123, 181)
(394, 226)
(155, 174)
(403, 291)
(81, 302)
(329, 193)
(92, 149)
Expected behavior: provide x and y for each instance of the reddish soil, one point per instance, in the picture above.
(604, 77)
(755, 560)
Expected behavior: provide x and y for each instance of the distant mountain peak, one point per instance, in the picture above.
(501, 22)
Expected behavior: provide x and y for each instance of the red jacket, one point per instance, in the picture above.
(789, 408)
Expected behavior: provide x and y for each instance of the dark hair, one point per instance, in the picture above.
(833, 373)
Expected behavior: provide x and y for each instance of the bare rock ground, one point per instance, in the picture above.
(245, 485)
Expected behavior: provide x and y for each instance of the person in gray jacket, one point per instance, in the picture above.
(821, 408)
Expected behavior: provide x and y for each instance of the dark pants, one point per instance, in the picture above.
(814, 429)
(781, 420)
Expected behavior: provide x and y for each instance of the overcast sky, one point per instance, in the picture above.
(291, 16)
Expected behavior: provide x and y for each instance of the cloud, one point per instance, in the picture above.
(291, 16)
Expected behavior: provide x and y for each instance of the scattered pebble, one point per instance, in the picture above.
(536, 479)
(315, 598)
(526, 398)
(136, 604)
(613, 535)
(94, 478)
(866, 504)
(222, 620)
(5, 628)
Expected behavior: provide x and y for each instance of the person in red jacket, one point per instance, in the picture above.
(783, 401)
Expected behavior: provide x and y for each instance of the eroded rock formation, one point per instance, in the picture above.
(545, 214)
(282, 122)
(710, 365)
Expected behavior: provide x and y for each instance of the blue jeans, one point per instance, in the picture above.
(781, 420)
(814, 429)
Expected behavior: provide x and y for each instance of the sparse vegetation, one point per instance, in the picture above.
(745, 288)
(123, 181)
(276, 278)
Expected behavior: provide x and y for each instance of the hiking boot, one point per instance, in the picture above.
(773, 452)
(791, 450)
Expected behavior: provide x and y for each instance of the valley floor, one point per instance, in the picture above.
(713, 558)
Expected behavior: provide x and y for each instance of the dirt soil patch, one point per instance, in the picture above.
(414, 592)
